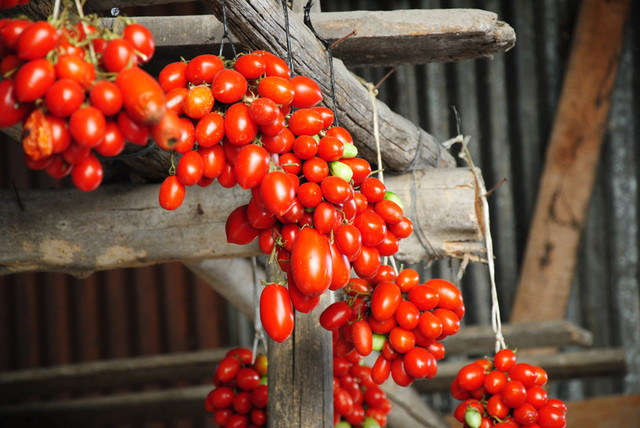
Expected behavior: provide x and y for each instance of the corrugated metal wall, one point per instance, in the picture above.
(507, 104)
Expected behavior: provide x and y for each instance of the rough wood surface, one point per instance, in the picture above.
(571, 160)
(260, 24)
(124, 226)
(559, 366)
(383, 38)
(614, 411)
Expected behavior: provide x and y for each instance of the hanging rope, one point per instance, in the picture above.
(258, 335)
(285, 8)
(226, 35)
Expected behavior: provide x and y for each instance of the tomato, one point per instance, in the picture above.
(450, 322)
(461, 409)
(133, 131)
(496, 407)
(87, 175)
(252, 164)
(525, 414)
(449, 295)
(494, 381)
(210, 129)
(367, 263)
(259, 217)
(551, 417)
(390, 212)
(336, 190)
(119, 54)
(76, 153)
(307, 92)
(251, 66)
(237, 421)
(228, 86)
(11, 112)
(142, 96)
(307, 122)
(335, 316)
(58, 167)
(311, 262)
(60, 136)
(399, 373)
(280, 143)
(276, 312)
(37, 40)
(372, 228)
(277, 89)
(222, 396)
(258, 417)
(504, 359)
(141, 39)
(330, 149)
(87, 126)
(305, 147)
(373, 189)
(389, 245)
(243, 354)
(315, 169)
(275, 66)
(190, 168)
(187, 136)
(10, 64)
(301, 302)
(543, 377)
(263, 111)
(227, 369)
(514, 393)
(227, 178)
(402, 229)
(348, 240)
(402, 340)
(33, 80)
(418, 362)
(327, 115)
(407, 315)
(325, 217)
(340, 268)
(198, 102)
(113, 142)
(72, 67)
(11, 31)
(471, 377)
(242, 403)
(173, 76)
(385, 273)
(259, 395)
(362, 337)
(172, 193)
(385, 300)
(168, 131)
(238, 126)
(289, 162)
(277, 192)
(380, 370)
(342, 402)
(238, 229)
(203, 68)
(64, 97)
(36, 136)
(525, 373)
(106, 97)
(247, 378)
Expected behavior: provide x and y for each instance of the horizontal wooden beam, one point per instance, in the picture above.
(119, 226)
(382, 38)
(559, 366)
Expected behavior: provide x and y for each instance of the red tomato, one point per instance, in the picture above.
(327, 115)
(76, 153)
(210, 129)
(390, 212)
(372, 228)
(168, 131)
(9, 64)
(325, 217)
(263, 111)
(367, 263)
(494, 381)
(402, 340)
(471, 377)
(336, 190)
(504, 359)
(340, 267)
(87, 126)
(113, 142)
(251, 66)
(407, 315)
(228, 86)
(118, 55)
(173, 76)
(385, 300)
(187, 136)
(11, 112)
(348, 240)
(418, 362)
(274, 66)
(60, 136)
(87, 175)
(311, 262)
(330, 149)
(277, 89)
(402, 229)
(280, 143)
(307, 122)
(238, 229)
(198, 102)
(37, 40)
(461, 409)
(307, 92)
(251, 165)
(259, 395)
(172, 193)
(362, 337)
(227, 369)
(222, 396)
(496, 407)
(380, 370)
(399, 373)
(385, 273)
(450, 296)
(276, 312)
(72, 67)
(514, 394)
(190, 168)
(525, 415)
(315, 169)
(525, 373)
(289, 162)
(141, 39)
(335, 316)
(259, 217)
(33, 79)
(247, 378)
(305, 147)
(11, 31)
(373, 189)
(238, 126)
(277, 192)
(106, 97)
(142, 96)
(551, 417)
(450, 321)
(430, 325)
(203, 68)
(301, 302)
(58, 167)
(133, 131)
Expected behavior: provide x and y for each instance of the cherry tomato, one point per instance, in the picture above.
(367, 263)
(536, 396)
(251, 66)
(418, 362)
(228, 86)
(430, 325)
(87, 126)
(190, 168)
(336, 190)
(280, 143)
(514, 394)
(373, 189)
(106, 97)
(348, 240)
(402, 229)
(58, 167)
(399, 373)
(168, 131)
(119, 54)
(277, 192)
(504, 359)
(305, 147)
(11, 31)
(141, 39)
(390, 212)
(87, 175)
(72, 67)
(198, 102)
(227, 178)
(311, 262)
(33, 80)
(494, 381)
(471, 377)
(252, 164)
(340, 268)
(173, 76)
(133, 131)
(335, 316)
(380, 370)
(277, 89)
(330, 148)
(76, 153)
(551, 417)
(301, 302)
(525, 373)
(172, 193)
(187, 136)
(385, 300)
(275, 65)
(315, 169)
(213, 160)
(496, 407)
(450, 321)
(307, 121)
(142, 96)
(407, 315)
(210, 129)
(259, 217)
(11, 112)
(113, 142)
(238, 229)
(327, 115)
(307, 92)
(203, 68)
(37, 40)
(238, 126)
(276, 312)
(263, 111)
(227, 369)
(259, 395)
(449, 295)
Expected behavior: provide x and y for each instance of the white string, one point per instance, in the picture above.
(56, 10)
(373, 92)
(79, 6)
(258, 335)
(496, 323)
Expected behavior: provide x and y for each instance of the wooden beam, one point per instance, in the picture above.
(260, 24)
(559, 366)
(120, 226)
(571, 162)
(383, 38)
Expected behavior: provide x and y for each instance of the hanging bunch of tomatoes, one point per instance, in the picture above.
(78, 92)
(239, 398)
(507, 394)
(357, 400)
(400, 318)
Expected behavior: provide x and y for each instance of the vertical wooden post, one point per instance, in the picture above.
(301, 375)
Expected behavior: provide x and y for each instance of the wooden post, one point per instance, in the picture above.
(571, 162)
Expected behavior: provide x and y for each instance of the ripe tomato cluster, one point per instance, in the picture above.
(77, 91)
(239, 399)
(357, 400)
(399, 317)
(507, 394)
(9, 4)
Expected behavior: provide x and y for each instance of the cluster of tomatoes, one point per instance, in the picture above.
(399, 317)
(239, 399)
(9, 4)
(77, 91)
(357, 400)
(507, 394)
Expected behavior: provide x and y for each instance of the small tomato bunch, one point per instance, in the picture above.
(240, 395)
(357, 400)
(507, 394)
(77, 91)
(399, 317)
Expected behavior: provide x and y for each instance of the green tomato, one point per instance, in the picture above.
(350, 151)
(394, 198)
(264, 380)
(370, 423)
(341, 170)
(342, 424)
(377, 341)
(473, 418)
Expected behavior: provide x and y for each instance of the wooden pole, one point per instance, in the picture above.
(571, 162)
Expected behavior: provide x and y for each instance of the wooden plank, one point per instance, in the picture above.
(559, 366)
(571, 160)
(59, 228)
